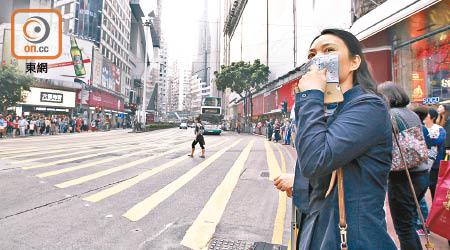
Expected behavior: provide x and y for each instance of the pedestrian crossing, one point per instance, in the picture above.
(73, 161)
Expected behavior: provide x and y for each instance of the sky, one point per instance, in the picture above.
(180, 21)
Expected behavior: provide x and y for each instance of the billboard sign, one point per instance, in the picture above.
(74, 64)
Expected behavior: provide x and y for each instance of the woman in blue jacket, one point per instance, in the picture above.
(356, 138)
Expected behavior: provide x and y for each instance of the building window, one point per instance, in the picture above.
(362, 7)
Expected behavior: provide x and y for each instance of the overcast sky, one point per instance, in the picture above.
(180, 21)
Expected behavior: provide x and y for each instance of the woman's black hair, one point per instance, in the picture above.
(433, 114)
(394, 94)
(419, 109)
(362, 75)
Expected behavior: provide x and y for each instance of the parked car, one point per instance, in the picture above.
(183, 125)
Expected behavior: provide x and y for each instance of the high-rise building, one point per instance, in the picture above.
(184, 102)
(158, 102)
(173, 89)
(107, 24)
(200, 65)
(141, 46)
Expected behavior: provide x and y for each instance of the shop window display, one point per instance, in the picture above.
(421, 60)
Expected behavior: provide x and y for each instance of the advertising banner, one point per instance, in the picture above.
(97, 68)
(74, 64)
(287, 93)
(106, 74)
(105, 100)
(110, 76)
(418, 86)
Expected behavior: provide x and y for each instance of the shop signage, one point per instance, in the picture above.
(51, 97)
(445, 83)
(50, 109)
(431, 100)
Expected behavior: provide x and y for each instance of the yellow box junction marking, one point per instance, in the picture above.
(97, 163)
(135, 180)
(115, 169)
(203, 228)
(144, 207)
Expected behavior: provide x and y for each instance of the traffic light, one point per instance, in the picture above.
(133, 108)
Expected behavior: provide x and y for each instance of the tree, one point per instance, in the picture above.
(244, 79)
(12, 86)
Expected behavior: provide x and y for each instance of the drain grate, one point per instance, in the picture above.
(264, 174)
(223, 244)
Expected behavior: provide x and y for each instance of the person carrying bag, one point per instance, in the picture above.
(439, 218)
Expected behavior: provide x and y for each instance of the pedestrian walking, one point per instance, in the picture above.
(401, 200)
(354, 146)
(199, 129)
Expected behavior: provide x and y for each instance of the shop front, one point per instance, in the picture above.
(421, 53)
(414, 53)
(46, 102)
(102, 105)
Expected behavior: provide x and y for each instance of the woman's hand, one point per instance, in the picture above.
(314, 79)
(285, 182)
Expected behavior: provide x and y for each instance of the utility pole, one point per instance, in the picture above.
(295, 32)
(267, 45)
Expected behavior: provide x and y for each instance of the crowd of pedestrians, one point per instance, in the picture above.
(12, 126)
(284, 132)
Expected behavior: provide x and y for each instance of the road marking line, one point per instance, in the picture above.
(96, 163)
(204, 226)
(278, 226)
(72, 146)
(116, 169)
(43, 150)
(274, 167)
(121, 145)
(283, 160)
(144, 207)
(135, 180)
(74, 159)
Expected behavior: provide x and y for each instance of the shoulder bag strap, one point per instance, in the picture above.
(342, 219)
(428, 245)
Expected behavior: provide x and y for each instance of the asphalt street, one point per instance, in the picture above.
(121, 190)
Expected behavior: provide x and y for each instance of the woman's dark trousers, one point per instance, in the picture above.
(402, 205)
